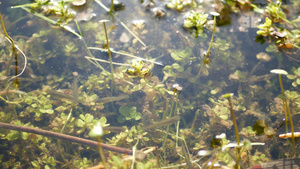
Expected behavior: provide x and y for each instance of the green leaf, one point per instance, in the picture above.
(34, 105)
(82, 116)
(89, 118)
(51, 161)
(121, 119)
(24, 135)
(125, 111)
(35, 164)
(137, 116)
(268, 22)
(13, 135)
(291, 76)
(103, 121)
(261, 32)
(177, 67)
(298, 81)
(80, 123)
(49, 111)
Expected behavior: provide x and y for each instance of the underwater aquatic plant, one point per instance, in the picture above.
(265, 28)
(109, 54)
(195, 20)
(206, 59)
(179, 4)
(284, 39)
(97, 131)
(295, 77)
(276, 13)
(128, 113)
(138, 69)
(285, 105)
(16, 82)
(221, 145)
(228, 97)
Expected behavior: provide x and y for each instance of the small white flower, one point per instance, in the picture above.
(279, 71)
(221, 136)
(96, 131)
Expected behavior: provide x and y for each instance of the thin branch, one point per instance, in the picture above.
(65, 137)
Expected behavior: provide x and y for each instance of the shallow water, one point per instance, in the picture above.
(171, 54)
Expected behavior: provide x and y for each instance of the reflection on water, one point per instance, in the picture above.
(151, 51)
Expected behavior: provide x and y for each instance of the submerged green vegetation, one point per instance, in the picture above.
(143, 84)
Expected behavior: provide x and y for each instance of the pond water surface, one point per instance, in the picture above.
(159, 89)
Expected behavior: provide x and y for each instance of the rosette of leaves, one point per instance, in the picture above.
(14, 134)
(179, 69)
(295, 77)
(265, 29)
(129, 137)
(222, 112)
(195, 20)
(294, 100)
(128, 113)
(88, 121)
(275, 12)
(138, 69)
(178, 4)
(38, 103)
(44, 162)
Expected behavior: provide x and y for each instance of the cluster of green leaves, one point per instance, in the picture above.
(70, 48)
(195, 20)
(295, 77)
(129, 137)
(128, 114)
(87, 121)
(14, 134)
(179, 69)
(179, 5)
(283, 37)
(38, 52)
(117, 162)
(60, 9)
(47, 163)
(138, 69)
(97, 86)
(275, 11)
(295, 101)
(38, 103)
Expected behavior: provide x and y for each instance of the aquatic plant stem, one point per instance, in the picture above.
(51, 21)
(61, 152)
(102, 157)
(105, 8)
(87, 49)
(64, 137)
(166, 109)
(59, 141)
(134, 153)
(216, 159)
(112, 7)
(125, 54)
(16, 82)
(287, 111)
(194, 121)
(75, 100)
(236, 133)
(234, 121)
(168, 126)
(110, 60)
(210, 45)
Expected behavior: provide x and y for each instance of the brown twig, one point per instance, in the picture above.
(64, 137)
